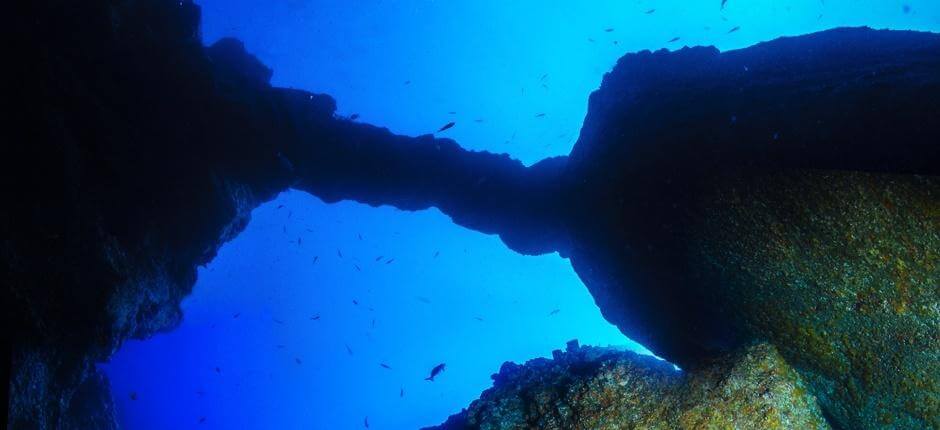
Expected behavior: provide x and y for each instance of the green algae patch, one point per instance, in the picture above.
(603, 388)
(839, 270)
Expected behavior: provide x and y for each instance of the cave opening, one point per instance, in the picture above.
(291, 325)
(299, 314)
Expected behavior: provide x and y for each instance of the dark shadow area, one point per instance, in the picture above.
(137, 152)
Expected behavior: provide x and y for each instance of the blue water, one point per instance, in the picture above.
(249, 354)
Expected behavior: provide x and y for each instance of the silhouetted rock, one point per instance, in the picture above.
(713, 199)
(602, 388)
(137, 152)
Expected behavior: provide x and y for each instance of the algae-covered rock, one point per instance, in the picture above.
(840, 271)
(603, 388)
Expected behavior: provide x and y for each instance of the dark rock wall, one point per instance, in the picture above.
(135, 152)
(121, 181)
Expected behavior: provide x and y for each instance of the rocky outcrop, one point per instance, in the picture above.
(784, 193)
(787, 193)
(602, 388)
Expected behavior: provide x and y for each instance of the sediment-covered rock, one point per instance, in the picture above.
(603, 388)
(841, 271)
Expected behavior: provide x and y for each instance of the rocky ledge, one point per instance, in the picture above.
(604, 388)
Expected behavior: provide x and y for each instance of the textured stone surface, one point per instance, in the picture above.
(840, 270)
(601, 388)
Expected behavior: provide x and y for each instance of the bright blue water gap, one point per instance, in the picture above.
(473, 306)
(496, 64)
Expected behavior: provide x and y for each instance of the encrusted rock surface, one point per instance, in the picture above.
(840, 270)
(603, 388)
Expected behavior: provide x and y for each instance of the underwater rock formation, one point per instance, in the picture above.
(138, 152)
(602, 388)
(773, 193)
(784, 193)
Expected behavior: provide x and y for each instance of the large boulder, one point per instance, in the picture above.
(602, 388)
(785, 192)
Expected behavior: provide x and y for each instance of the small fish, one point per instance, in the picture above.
(366, 422)
(554, 312)
(200, 393)
(237, 314)
(373, 320)
(435, 371)
(674, 39)
(280, 346)
(423, 299)
(284, 228)
(734, 29)
(356, 302)
(407, 82)
(385, 366)
(723, 4)
(316, 258)
(543, 77)
(354, 117)
(650, 11)
(906, 8)
(478, 318)
(202, 420)
(436, 253)
(339, 253)
(315, 317)
(299, 241)
(478, 120)
(133, 395)
(389, 261)
(277, 321)
(447, 126)
(280, 206)
(298, 361)
(608, 30)
(539, 115)
(590, 40)
(217, 370)
(348, 349)
(401, 392)
(359, 235)
(378, 258)
(357, 267)
(452, 113)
